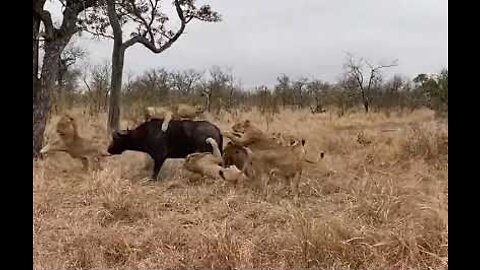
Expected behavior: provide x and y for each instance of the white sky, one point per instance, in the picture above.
(260, 39)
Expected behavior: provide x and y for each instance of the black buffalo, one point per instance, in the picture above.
(182, 137)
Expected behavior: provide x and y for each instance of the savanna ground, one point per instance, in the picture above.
(379, 200)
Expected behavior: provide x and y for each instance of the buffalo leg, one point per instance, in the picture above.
(85, 163)
(158, 162)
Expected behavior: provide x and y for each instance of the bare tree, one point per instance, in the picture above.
(389, 95)
(356, 72)
(396, 83)
(67, 77)
(100, 78)
(232, 87)
(128, 86)
(153, 85)
(203, 89)
(265, 98)
(315, 89)
(215, 86)
(71, 79)
(283, 89)
(151, 31)
(96, 79)
(184, 81)
(71, 55)
(298, 91)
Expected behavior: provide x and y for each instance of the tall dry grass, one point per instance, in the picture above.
(379, 200)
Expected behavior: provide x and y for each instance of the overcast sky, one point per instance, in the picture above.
(260, 39)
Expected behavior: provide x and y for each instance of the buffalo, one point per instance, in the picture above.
(182, 137)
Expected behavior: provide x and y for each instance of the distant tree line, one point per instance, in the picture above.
(218, 88)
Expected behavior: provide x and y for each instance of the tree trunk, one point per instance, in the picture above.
(118, 56)
(36, 30)
(230, 98)
(41, 98)
(208, 96)
(57, 41)
(62, 69)
(366, 104)
(36, 27)
(36, 81)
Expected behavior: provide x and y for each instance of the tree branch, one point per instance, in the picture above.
(370, 80)
(77, 6)
(97, 33)
(386, 66)
(46, 18)
(86, 84)
(358, 75)
(179, 11)
(153, 13)
(150, 44)
(393, 64)
(142, 20)
(374, 70)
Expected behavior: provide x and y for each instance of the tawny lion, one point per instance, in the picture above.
(72, 143)
(178, 111)
(268, 157)
(210, 164)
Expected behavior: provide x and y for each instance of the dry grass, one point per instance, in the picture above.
(379, 200)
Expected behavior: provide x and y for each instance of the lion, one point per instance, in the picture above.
(185, 111)
(246, 134)
(161, 113)
(237, 155)
(285, 139)
(211, 164)
(73, 144)
(265, 155)
(286, 162)
(178, 111)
